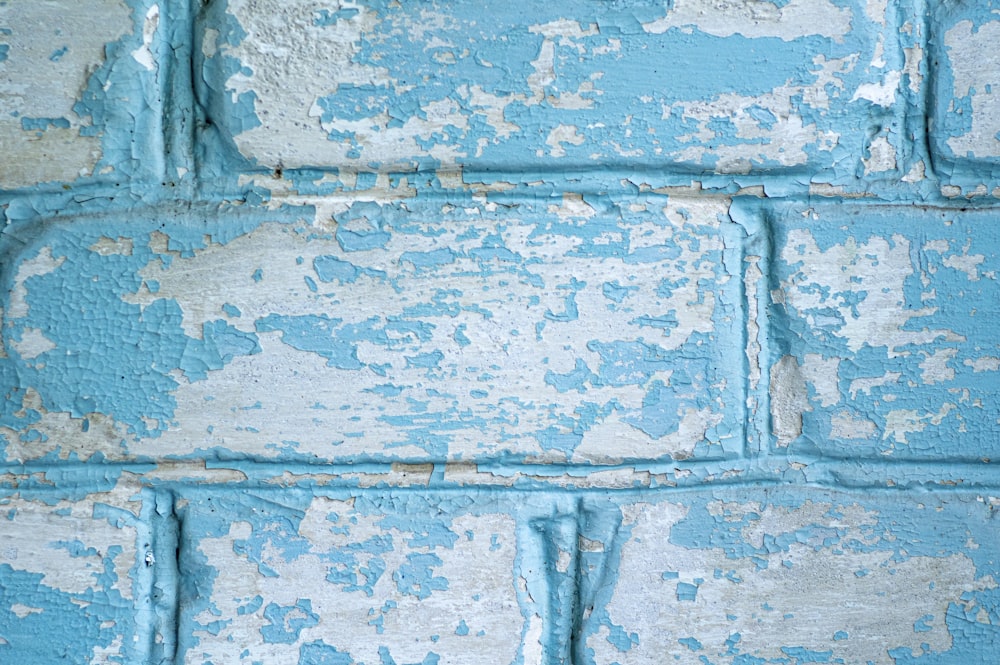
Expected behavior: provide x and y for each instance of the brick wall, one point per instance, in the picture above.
(478, 332)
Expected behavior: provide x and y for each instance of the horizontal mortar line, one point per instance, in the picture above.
(204, 205)
(834, 474)
(496, 466)
(583, 169)
(748, 488)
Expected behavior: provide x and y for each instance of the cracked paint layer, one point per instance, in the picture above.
(76, 104)
(277, 386)
(734, 576)
(964, 126)
(885, 332)
(73, 587)
(369, 578)
(577, 329)
(794, 576)
(703, 87)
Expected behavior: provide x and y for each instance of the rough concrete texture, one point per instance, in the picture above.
(424, 333)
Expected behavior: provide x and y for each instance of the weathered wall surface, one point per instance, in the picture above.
(471, 332)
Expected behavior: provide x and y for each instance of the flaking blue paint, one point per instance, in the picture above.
(571, 546)
(592, 73)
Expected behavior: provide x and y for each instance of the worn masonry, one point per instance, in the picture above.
(429, 333)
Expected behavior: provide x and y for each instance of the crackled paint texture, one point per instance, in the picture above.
(75, 81)
(573, 330)
(827, 578)
(704, 86)
(72, 588)
(965, 128)
(884, 322)
(383, 333)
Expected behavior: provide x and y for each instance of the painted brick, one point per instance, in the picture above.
(74, 577)
(389, 577)
(799, 576)
(885, 332)
(628, 332)
(701, 87)
(964, 126)
(77, 86)
(571, 330)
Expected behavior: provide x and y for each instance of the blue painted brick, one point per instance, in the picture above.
(796, 575)
(405, 577)
(74, 576)
(811, 88)
(884, 332)
(81, 92)
(964, 130)
(573, 330)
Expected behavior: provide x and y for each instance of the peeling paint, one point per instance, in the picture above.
(583, 91)
(378, 332)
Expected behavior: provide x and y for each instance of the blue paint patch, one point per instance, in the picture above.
(330, 268)
(41, 124)
(320, 653)
(690, 642)
(67, 631)
(287, 622)
(416, 576)
(687, 592)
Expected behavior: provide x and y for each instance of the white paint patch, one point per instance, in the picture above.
(914, 57)
(821, 373)
(20, 610)
(788, 400)
(866, 384)
(975, 61)
(882, 93)
(41, 264)
(846, 425)
(109, 246)
(935, 367)
(757, 18)
(144, 54)
(900, 422)
(984, 364)
(560, 135)
(881, 156)
(32, 344)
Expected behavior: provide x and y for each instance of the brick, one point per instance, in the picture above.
(391, 577)
(697, 86)
(577, 330)
(884, 332)
(73, 581)
(78, 91)
(799, 576)
(964, 125)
